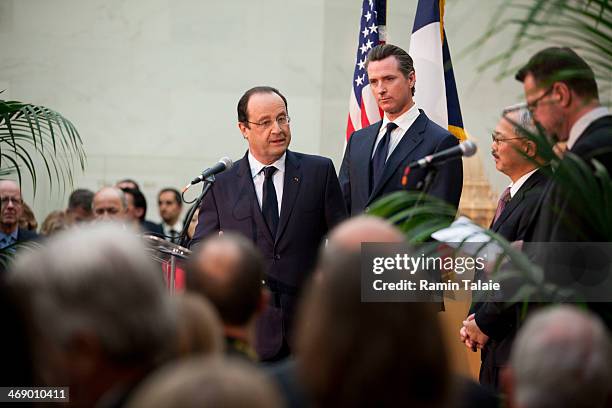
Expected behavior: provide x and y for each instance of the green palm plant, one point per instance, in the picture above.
(30, 134)
(584, 25)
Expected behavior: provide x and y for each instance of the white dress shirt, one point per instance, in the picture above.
(277, 178)
(583, 123)
(514, 187)
(403, 122)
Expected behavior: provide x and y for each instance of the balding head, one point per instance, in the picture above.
(562, 357)
(228, 270)
(365, 228)
(12, 205)
(109, 204)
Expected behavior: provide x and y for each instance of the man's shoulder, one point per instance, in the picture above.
(26, 235)
(309, 159)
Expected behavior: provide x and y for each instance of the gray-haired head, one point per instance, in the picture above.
(562, 358)
(98, 280)
(520, 118)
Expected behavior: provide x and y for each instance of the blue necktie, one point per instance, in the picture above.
(380, 156)
(269, 203)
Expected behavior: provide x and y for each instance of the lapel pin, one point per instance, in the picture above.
(297, 180)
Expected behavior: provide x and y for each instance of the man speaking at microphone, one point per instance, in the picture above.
(376, 156)
(285, 202)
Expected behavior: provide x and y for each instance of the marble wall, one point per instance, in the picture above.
(152, 85)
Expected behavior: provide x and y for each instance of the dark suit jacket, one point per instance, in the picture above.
(151, 227)
(423, 138)
(311, 205)
(550, 222)
(558, 220)
(496, 320)
(24, 235)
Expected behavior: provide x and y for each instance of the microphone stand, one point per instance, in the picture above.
(425, 185)
(182, 238)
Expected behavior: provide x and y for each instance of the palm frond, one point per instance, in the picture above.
(29, 132)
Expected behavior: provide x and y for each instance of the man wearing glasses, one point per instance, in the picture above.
(11, 211)
(492, 326)
(562, 95)
(561, 92)
(285, 202)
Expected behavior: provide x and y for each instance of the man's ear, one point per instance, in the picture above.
(562, 94)
(243, 129)
(139, 212)
(530, 148)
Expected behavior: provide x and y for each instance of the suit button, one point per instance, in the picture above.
(367, 209)
(277, 257)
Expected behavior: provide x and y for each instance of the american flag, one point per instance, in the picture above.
(363, 109)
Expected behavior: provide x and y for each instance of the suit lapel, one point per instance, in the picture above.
(365, 153)
(246, 204)
(291, 188)
(516, 200)
(410, 140)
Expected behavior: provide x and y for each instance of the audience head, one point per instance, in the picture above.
(102, 316)
(127, 183)
(514, 153)
(136, 204)
(56, 221)
(11, 206)
(392, 79)
(561, 357)
(80, 206)
(193, 224)
(228, 270)
(208, 382)
(559, 87)
(109, 204)
(263, 120)
(199, 328)
(170, 205)
(355, 353)
(28, 219)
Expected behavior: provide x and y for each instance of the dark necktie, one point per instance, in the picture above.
(501, 204)
(269, 203)
(380, 156)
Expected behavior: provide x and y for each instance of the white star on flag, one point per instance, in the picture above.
(359, 80)
(368, 45)
(361, 64)
(365, 32)
(364, 48)
(373, 28)
(368, 16)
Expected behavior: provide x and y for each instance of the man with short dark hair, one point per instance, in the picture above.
(10, 212)
(228, 270)
(170, 207)
(376, 156)
(137, 209)
(285, 202)
(79, 206)
(561, 92)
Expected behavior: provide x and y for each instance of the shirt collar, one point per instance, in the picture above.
(514, 187)
(403, 121)
(584, 122)
(256, 165)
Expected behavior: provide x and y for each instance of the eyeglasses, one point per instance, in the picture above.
(14, 200)
(533, 105)
(281, 120)
(498, 138)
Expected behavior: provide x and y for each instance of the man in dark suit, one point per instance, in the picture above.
(562, 94)
(376, 156)
(285, 202)
(11, 210)
(492, 326)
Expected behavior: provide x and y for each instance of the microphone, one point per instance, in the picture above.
(223, 164)
(467, 149)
